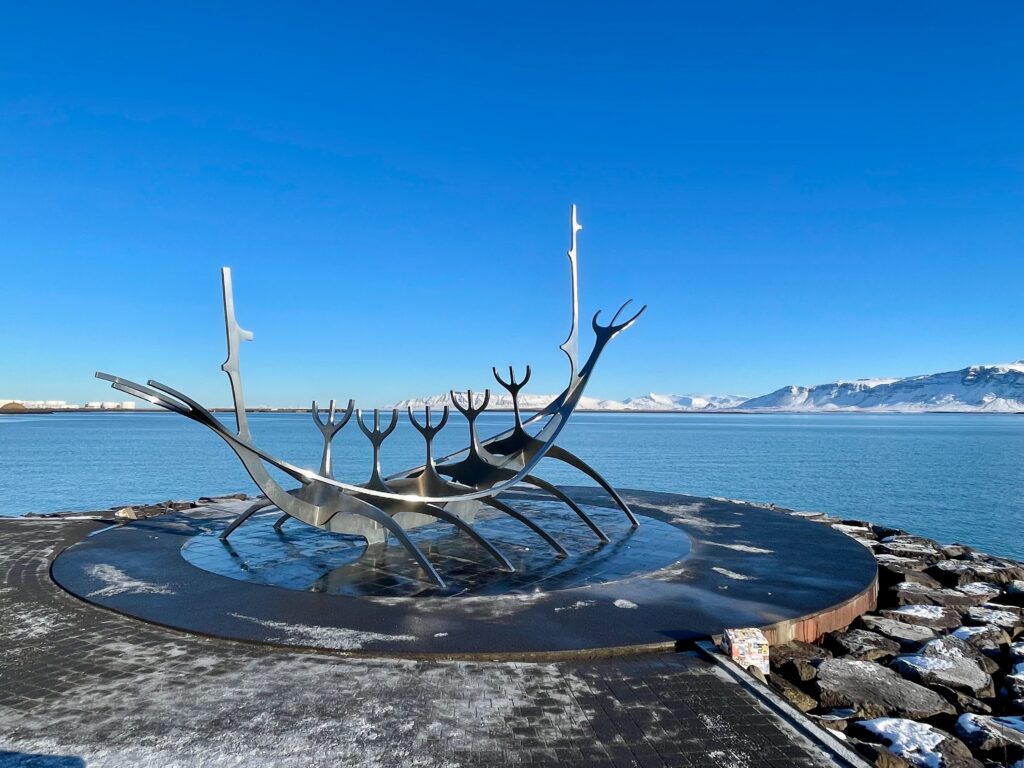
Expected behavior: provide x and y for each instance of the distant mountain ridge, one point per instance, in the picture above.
(977, 388)
(648, 402)
(993, 388)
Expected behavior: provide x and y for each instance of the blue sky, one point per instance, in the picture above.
(801, 192)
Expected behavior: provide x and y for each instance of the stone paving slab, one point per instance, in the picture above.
(82, 686)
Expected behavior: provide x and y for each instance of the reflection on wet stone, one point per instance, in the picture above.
(304, 558)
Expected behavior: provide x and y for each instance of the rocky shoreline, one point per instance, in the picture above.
(934, 676)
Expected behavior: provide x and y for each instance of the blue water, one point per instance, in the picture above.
(952, 477)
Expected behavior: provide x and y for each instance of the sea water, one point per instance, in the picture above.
(954, 477)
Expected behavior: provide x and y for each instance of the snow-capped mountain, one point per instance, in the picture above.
(976, 388)
(991, 388)
(648, 402)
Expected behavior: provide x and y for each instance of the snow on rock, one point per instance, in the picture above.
(918, 743)
(995, 737)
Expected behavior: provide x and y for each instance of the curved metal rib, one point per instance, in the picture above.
(559, 453)
(462, 525)
(372, 513)
(261, 504)
(517, 515)
(279, 523)
(558, 494)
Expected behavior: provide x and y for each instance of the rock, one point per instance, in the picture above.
(996, 738)
(834, 719)
(862, 644)
(931, 616)
(877, 755)
(855, 529)
(911, 547)
(987, 638)
(126, 513)
(956, 672)
(894, 570)
(909, 636)
(1006, 619)
(875, 691)
(953, 573)
(1014, 594)
(919, 744)
(1013, 687)
(1015, 652)
(981, 591)
(883, 531)
(911, 593)
(791, 693)
(962, 701)
(797, 661)
(956, 551)
(954, 647)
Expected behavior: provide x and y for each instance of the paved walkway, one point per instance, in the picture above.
(81, 686)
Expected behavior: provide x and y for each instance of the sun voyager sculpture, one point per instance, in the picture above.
(450, 489)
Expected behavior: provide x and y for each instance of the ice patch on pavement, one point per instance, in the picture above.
(741, 548)
(732, 574)
(120, 583)
(335, 638)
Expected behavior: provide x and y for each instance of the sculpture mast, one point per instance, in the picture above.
(571, 345)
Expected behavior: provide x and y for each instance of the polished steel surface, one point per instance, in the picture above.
(450, 488)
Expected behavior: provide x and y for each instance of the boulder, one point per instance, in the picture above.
(1013, 687)
(909, 636)
(953, 573)
(834, 719)
(883, 531)
(876, 755)
(1015, 652)
(894, 570)
(950, 646)
(956, 672)
(791, 693)
(912, 547)
(1008, 620)
(962, 701)
(956, 551)
(875, 691)
(931, 616)
(986, 638)
(1014, 594)
(980, 591)
(797, 661)
(126, 513)
(862, 644)
(911, 593)
(919, 744)
(995, 738)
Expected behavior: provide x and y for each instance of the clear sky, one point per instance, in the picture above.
(800, 191)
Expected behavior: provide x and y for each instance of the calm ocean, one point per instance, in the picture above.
(951, 477)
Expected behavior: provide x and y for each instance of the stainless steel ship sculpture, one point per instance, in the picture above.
(451, 488)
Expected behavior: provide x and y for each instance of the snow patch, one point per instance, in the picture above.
(620, 603)
(914, 742)
(732, 574)
(117, 582)
(335, 638)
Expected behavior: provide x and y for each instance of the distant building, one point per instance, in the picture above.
(128, 405)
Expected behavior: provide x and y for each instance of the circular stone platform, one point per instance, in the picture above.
(694, 568)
